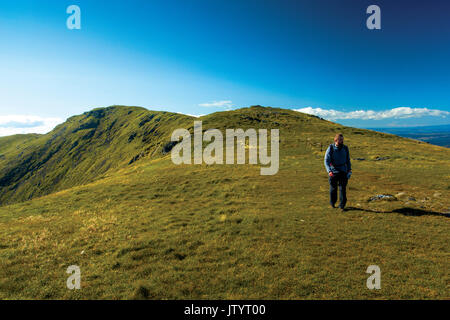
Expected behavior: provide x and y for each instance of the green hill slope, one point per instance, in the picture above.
(11, 146)
(151, 229)
(82, 149)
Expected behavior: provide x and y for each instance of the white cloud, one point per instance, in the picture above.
(397, 113)
(192, 115)
(20, 124)
(218, 104)
(195, 115)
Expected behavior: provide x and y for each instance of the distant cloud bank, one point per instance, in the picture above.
(217, 104)
(21, 124)
(397, 113)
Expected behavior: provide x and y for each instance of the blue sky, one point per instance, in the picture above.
(198, 57)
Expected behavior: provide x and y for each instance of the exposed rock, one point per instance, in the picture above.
(93, 124)
(380, 158)
(136, 158)
(146, 119)
(387, 197)
(131, 137)
(168, 146)
(96, 113)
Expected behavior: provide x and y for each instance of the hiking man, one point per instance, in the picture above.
(339, 168)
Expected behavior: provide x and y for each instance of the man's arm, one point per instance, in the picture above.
(327, 160)
(349, 164)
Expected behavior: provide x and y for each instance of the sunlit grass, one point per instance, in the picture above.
(153, 230)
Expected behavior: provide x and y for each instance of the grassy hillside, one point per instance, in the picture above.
(150, 229)
(82, 149)
(11, 146)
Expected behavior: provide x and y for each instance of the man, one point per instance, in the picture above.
(339, 168)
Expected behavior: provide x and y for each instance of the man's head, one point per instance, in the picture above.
(339, 139)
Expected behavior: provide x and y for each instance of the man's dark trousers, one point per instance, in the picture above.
(338, 179)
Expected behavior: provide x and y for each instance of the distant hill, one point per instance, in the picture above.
(100, 191)
(437, 135)
(81, 149)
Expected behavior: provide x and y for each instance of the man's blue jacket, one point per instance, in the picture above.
(338, 159)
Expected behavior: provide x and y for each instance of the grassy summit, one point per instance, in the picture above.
(100, 191)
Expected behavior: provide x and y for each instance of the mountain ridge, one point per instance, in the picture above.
(88, 145)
